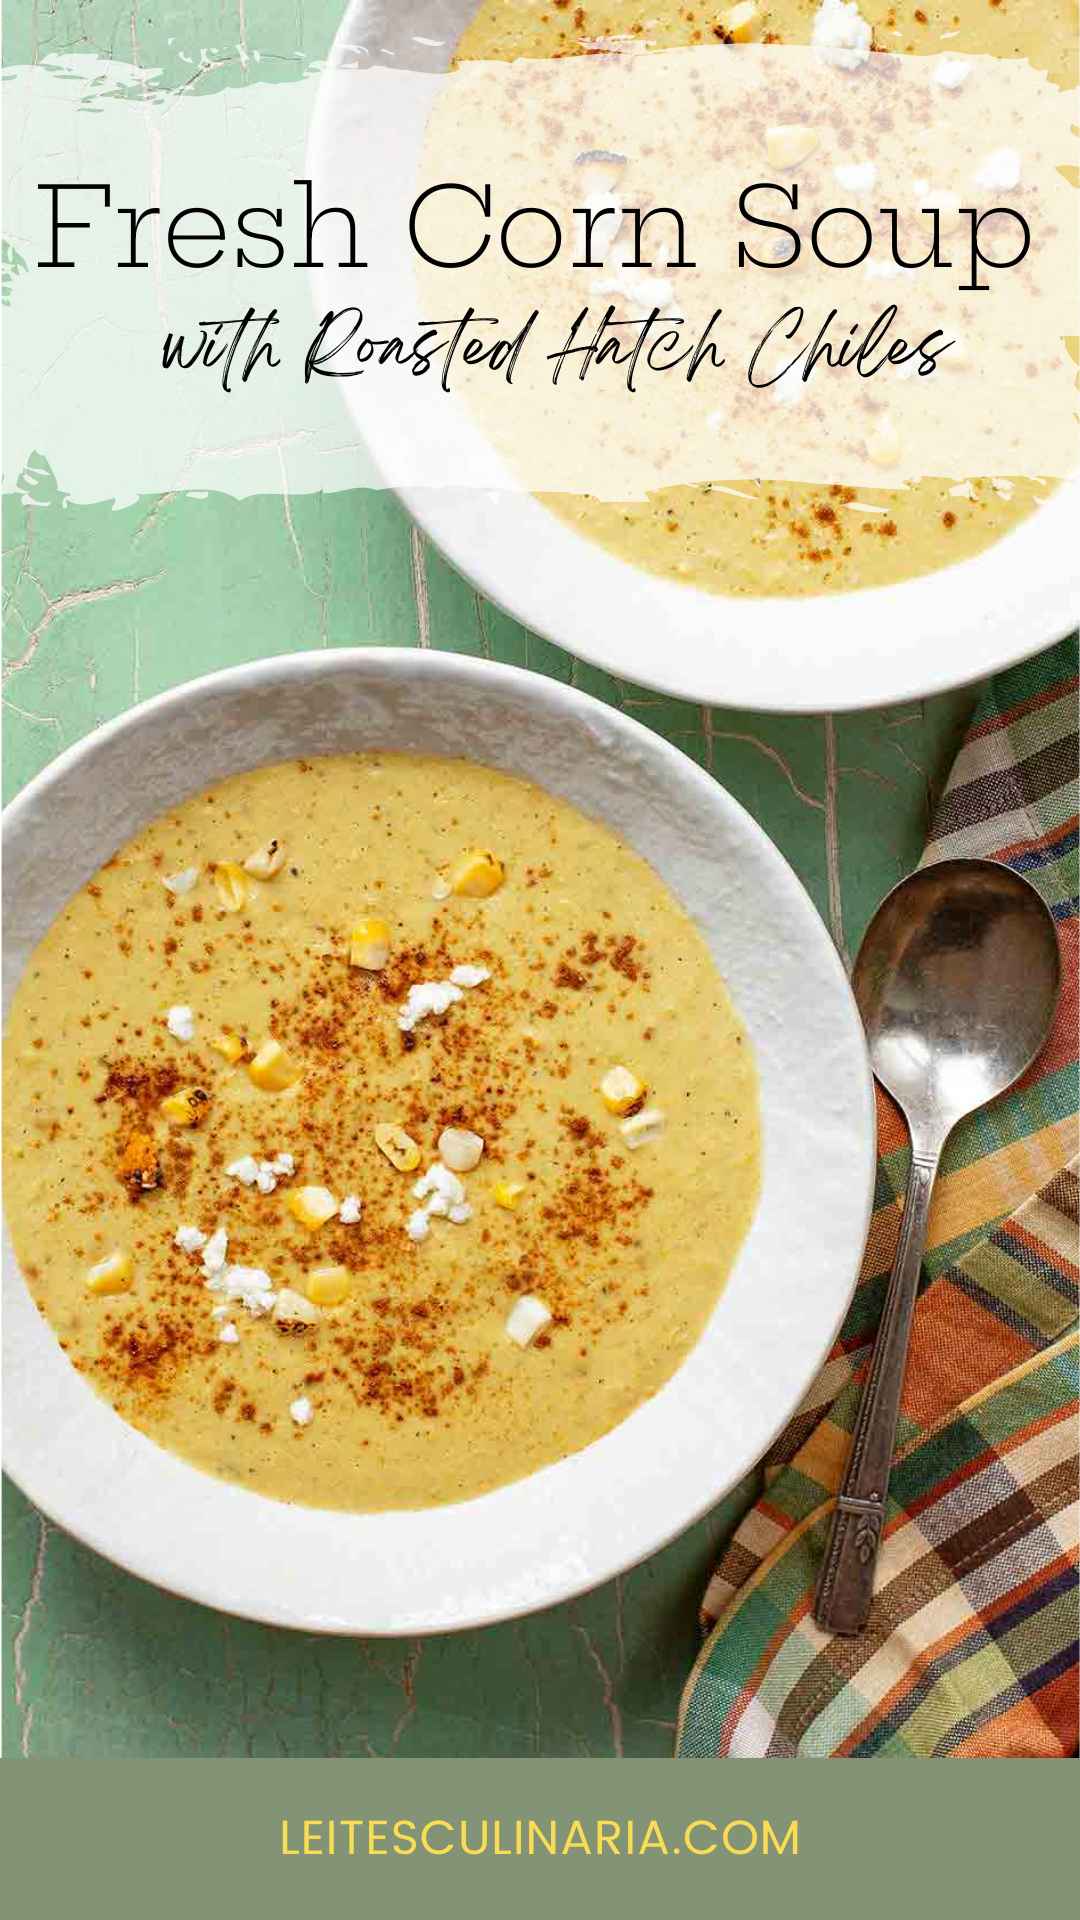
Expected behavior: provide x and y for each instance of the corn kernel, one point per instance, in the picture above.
(231, 883)
(266, 861)
(229, 1045)
(621, 1091)
(186, 1107)
(641, 1129)
(460, 1149)
(369, 944)
(312, 1206)
(293, 1313)
(787, 146)
(271, 1069)
(527, 1317)
(476, 875)
(739, 23)
(328, 1286)
(507, 1193)
(399, 1147)
(111, 1275)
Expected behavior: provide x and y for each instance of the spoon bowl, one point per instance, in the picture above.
(957, 979)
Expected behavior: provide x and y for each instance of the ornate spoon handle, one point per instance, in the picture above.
(846, 1583)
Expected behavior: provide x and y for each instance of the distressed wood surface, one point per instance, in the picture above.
(104, 608)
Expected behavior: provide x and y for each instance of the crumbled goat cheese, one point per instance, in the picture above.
(444, 1198)
(349, 1210)
(426, 998)
(468, 975)
(180, 882)
(859, 177)
(999, 170)
(250, 1285)
(951, 73)
(181, 1023)
(302, 1411)
(215, 1251)
(246, 1170)
(429, 997)
(189, 1239)
(840, 35)
(441, 1188)
(263, 1174)
(228, 1335)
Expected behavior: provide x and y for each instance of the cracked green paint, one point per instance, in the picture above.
(105, 608)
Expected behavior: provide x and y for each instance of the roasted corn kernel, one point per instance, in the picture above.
(271, 1069)
(111, 1275)
(739, 23)
(186, 1107)
(231, 884)
(399, 1147)
(266, 861)
(312, 1206)
(621, 1091)
(369, 944)
(328, 1286)
(229, 1045)
(476, 875)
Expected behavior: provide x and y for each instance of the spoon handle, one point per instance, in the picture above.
(846, 1582)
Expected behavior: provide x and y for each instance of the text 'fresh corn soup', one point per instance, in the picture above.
(378, 1130)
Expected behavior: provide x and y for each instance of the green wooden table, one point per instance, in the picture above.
(104, 608)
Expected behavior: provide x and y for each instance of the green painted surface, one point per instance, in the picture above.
(104, 608)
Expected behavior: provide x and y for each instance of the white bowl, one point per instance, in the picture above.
(831, 652)
(578, 1522)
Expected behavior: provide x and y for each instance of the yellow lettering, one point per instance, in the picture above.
(607, 1836)
(376, 1831)
(710, 1827)
(427, 1828)
(729, 1843)
(350, 1828)
(312, 1836)
(653, 1839)
(537, 1836)
(770, 1842)
(285, 1847)
(575, 1841)
(405, 1831)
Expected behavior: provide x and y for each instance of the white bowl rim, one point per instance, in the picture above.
(822, 653)
(110, 1532)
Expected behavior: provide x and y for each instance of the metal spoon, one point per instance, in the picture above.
(956, 980)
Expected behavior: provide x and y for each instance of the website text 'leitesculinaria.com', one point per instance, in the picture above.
(526, 1837)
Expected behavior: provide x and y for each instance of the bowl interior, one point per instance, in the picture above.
(829, 652)
(575, 1523)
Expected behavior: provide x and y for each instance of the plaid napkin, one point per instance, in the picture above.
(971, 1650)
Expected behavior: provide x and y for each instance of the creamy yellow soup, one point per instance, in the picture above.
(768, 536)
(320, 1167)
